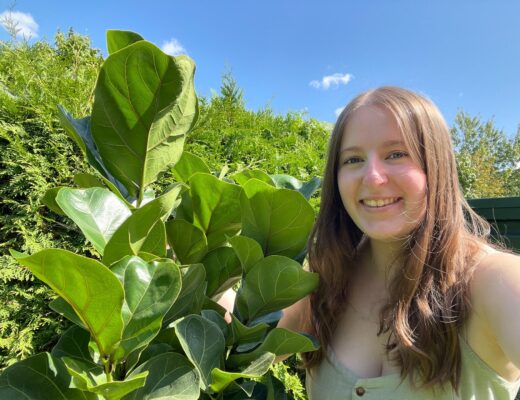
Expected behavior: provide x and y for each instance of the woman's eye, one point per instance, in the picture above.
(352, 160)
(397, 154)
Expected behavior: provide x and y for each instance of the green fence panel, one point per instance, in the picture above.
(503, 213)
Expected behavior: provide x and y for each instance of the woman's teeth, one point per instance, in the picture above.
(380, 203)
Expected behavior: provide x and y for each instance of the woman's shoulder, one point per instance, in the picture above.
(297, 316)
(495, 298)
(495, 270)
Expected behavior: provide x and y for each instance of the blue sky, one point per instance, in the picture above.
(315, 56)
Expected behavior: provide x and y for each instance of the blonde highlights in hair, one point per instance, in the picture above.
(429, 294)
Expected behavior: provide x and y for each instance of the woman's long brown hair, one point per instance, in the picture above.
(429, 293)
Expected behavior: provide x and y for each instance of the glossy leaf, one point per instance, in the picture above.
(221, 379)
(40, 377)
(150, 291)
(279, 342)
(216, 208)
(171, 376)
(280, 220)
(188, 165)
(192, 293)
(187, 241)
(242, 177)
(80, 131)
(88, 286)
(144, 230)
(203, 343)
(144, 104)
(223, 270)
(97, 211)
(247, 250)
(273, 284)
(116, 39)
(92, 378)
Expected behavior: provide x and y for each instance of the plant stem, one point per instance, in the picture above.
(107, 367)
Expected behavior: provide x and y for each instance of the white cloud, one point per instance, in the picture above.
(338, 111)
(173, 47)
(331, 80)
(23, 23)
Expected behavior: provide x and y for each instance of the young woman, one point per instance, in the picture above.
(413, 302)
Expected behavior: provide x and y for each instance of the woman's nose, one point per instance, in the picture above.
(375, 173)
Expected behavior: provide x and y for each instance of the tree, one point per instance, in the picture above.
(487, 160)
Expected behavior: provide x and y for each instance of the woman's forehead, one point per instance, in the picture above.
(368, 124)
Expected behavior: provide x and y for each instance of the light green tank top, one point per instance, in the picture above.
(333, 381)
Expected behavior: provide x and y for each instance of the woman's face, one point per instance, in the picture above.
(382, 188)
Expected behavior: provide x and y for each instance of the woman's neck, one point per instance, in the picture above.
(377, 258)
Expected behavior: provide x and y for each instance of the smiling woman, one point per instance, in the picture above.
(414, 302)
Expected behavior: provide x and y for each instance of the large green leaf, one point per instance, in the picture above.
(191, 297)
(116, 39)
(223, 270)
(279, 219)
(88, 286)
(150, 291)
(97, 211)
(221, 379)
(273, 284)
(79, 130)
(144, 230)
(144, 105)
(279, 342)
(216, 207)
(171, 376)
(203, 343)
(91, 377)
(247, 250)
(40, 377)
(188, 165)
(187, 241)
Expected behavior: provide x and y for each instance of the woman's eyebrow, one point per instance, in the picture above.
(388, 143)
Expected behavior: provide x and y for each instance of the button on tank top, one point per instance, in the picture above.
(333, 381)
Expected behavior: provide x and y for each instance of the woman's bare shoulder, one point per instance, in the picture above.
(495, 292)
(297, 316)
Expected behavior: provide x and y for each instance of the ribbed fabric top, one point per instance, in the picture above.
(333, 381)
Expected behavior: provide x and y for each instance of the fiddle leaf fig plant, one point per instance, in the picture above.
(144, 312)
